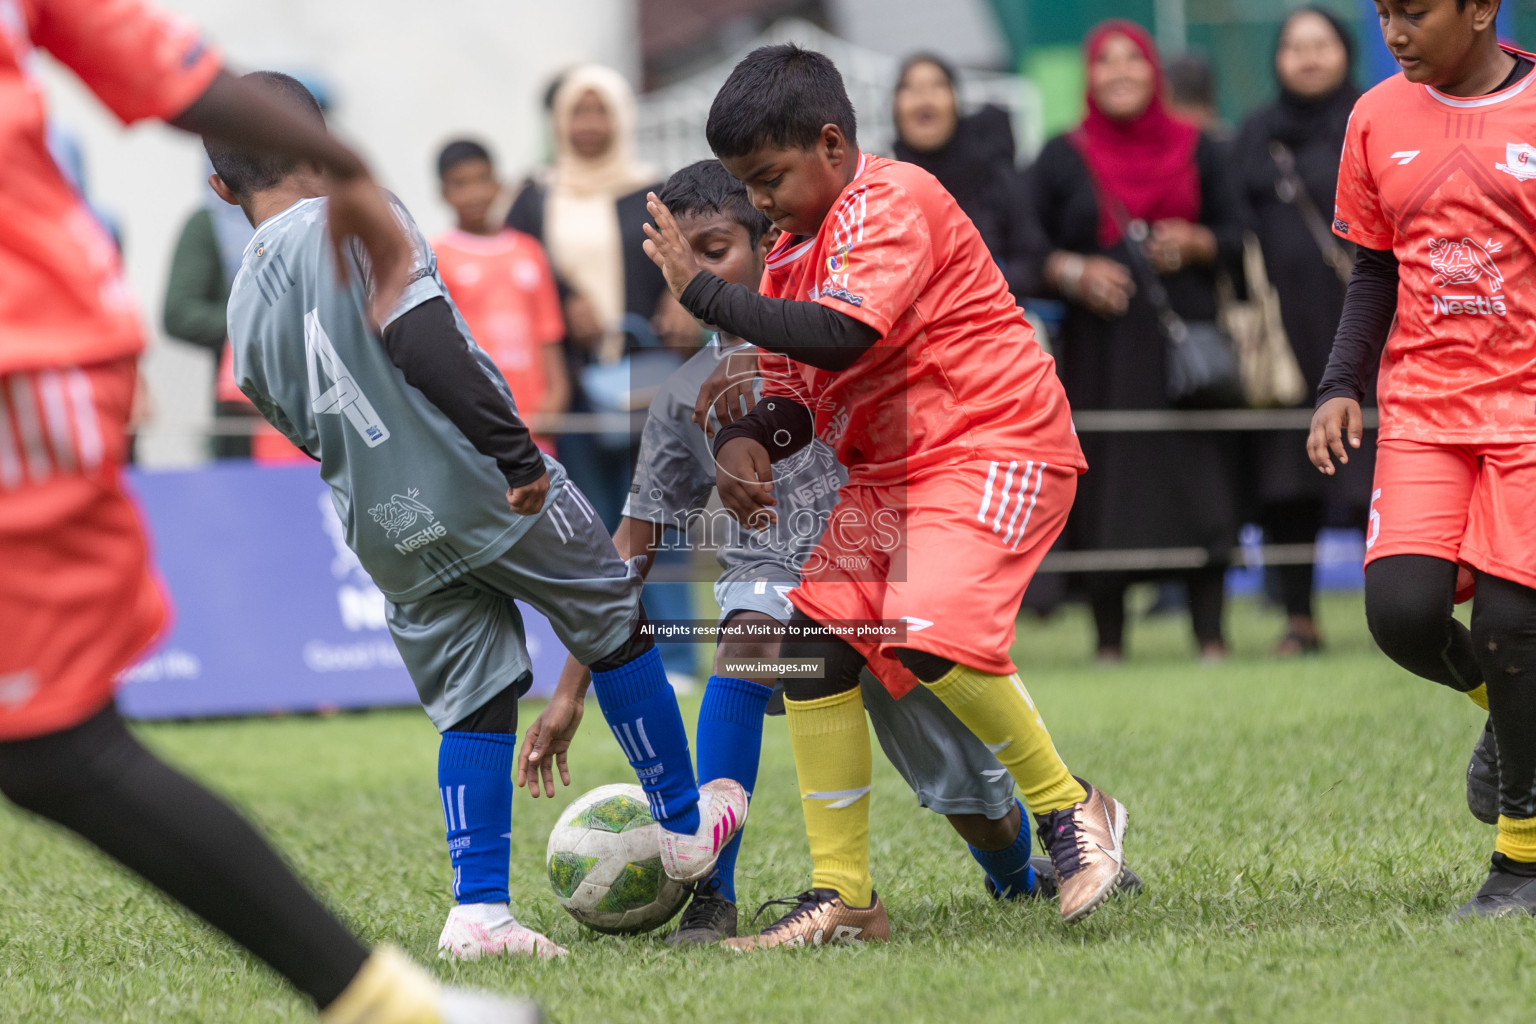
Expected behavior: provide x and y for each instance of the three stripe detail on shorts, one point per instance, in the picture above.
(562, 521)
(1008, 496)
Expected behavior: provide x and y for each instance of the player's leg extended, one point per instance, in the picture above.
(567, 568)
(830, 739)
(463, 648)
(730, 738)
(1419, 514)
(966, 569)
(954, 774)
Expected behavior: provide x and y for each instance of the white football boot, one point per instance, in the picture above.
(722, 813)
(476, 930)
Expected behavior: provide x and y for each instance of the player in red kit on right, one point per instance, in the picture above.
(1437, 187)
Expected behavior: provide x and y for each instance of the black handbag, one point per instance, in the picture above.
(1202, 370)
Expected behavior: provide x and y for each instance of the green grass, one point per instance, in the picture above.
(1300, 826)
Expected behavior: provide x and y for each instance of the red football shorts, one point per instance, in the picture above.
(78, 598)
(949, 554)
(1473, 504)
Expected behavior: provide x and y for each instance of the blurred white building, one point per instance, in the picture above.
(402, 78)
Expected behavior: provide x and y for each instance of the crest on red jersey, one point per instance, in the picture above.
(1520, 161)
(1463, 262)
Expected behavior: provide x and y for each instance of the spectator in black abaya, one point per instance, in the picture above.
(972, 155)
(1304, 130)
(1142, 490)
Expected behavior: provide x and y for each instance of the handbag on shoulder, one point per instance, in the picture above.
(1271, 376)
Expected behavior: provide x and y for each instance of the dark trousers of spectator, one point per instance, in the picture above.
(1293, 522)
(1206, 587)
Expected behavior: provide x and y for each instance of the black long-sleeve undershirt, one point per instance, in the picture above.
(779, 424)
(806, 332)
(1370, 304)
(427, 346)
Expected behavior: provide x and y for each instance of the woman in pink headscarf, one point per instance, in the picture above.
(1134, 175)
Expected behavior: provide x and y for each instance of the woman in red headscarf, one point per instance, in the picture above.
(1132, 164)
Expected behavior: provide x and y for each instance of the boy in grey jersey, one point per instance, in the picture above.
(951, 771)
(456, 515)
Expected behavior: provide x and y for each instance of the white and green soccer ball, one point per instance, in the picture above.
(604, 862)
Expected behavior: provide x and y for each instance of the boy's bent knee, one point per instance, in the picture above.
(841, 664)
(1409, 600)
(929, 668)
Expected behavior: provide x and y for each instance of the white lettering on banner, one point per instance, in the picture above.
(320, 656)
(361, 607)
(165, 665)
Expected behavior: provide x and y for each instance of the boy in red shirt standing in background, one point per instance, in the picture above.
(908, 356)
(501, 282)
(1436, 188)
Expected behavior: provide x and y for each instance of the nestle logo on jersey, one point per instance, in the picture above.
(420, 539)
(1466, 263)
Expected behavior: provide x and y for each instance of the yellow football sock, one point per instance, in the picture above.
(390, 989)
(830, 738)
(1517, 839)
(1479, 696)
(999, 711)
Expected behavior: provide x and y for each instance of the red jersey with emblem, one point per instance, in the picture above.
(957, 374)
(63, 301)
(1449, 185)
(506, 292)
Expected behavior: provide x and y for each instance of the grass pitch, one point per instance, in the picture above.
(1300, 825)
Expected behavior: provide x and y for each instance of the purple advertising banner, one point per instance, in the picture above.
(273, 613)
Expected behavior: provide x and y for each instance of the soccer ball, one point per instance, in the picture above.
(604, 862)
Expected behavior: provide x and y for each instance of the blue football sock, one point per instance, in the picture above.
(474, 779)
(1009, 867)
(642, 711)
(730, 742)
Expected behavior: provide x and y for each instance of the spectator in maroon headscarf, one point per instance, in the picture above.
(1131, 163)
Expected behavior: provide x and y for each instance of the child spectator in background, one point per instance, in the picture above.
(502, 284)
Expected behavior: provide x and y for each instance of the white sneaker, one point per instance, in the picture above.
(722, 813)
(463, 1006)
(476, 930)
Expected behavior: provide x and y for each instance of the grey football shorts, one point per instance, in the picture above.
(950, 770)
(465, 643)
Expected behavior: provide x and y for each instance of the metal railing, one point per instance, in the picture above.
(1090, 421)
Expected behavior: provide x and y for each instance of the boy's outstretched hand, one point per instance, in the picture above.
(667, 247)
(1334, 421)
(545, 745)
(744, 477)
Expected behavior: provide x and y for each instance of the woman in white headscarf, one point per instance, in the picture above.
(588, 208)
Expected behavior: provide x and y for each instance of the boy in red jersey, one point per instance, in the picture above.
(78, 597)
(502, 285)
(1438, 188)
(907, 355)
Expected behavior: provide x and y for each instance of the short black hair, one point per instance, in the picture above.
(245, 171)
(461, 151)
(1191, 81)
(779, 96)
(707, 187)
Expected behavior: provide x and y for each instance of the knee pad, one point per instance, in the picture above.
(841, 664)
(638, 643)
(929, 668)
(1409, 600)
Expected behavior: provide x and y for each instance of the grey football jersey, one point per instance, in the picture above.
(420, 505)
(675, 474)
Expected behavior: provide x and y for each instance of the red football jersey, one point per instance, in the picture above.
(1449, 185)
(63, 301)
(506, 292)
(957, 374)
